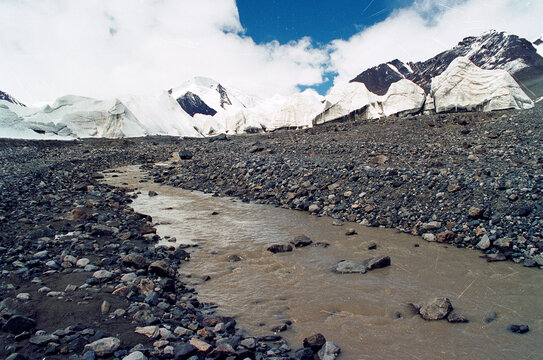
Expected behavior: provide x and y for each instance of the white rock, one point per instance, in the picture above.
(105, 346)
(103, 274)
(464, 86)
(127, 278)
(136, 355)
(81, 263)
(484, 243)
(23, 296)
(70, 259)
(429, 237)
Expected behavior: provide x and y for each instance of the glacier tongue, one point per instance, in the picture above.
(464, 86)
(403, 96)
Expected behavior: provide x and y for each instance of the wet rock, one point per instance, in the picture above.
(329, 351)
(455, 317)
(490, 317)
(234, 258)
(280, 328)
(18, 324)
(315, 342)
(301, 241)
(160, 268)
(377, 262)
(518, 329)
(372, 245)
(104, 347)
(494, 257)
(152, 193)
(349, 267)
(304, 353)
(436, 309)
(185, 154)
(279, 248)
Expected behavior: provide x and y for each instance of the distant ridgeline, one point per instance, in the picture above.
(493, 71)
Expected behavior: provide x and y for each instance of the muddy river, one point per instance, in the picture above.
(366, 314)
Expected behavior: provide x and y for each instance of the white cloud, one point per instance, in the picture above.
(429, 27)
(104, 48)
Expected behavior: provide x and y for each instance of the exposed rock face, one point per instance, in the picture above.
(491, 50)
(464, 86)
(193, 104)
(11, 99)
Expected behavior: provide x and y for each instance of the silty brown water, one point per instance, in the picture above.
(359, 312)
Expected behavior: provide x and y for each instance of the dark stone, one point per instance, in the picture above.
(304, 353)
(524, 211)
(183, 351)
(16, 356)
(372, 246)
(192, 104)
(135, 260)
(315, 342)
(152, 299)
(185, 154)
(301, 241)
(18, 324)
(377, 262)
(454, 318)
(518, 329)
(280, 328)
(279, 248)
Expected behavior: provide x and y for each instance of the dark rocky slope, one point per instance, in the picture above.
(492, 50)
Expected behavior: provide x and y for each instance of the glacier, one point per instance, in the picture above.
(465, 86)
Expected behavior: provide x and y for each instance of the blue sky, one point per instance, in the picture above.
(322, 20)
(104, 48)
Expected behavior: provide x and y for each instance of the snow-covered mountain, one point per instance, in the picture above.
(7, 97)
(491, 50)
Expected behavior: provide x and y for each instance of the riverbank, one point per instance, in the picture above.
(473, 180)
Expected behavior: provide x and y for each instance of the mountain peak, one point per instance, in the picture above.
(7, 97)
(490, 50)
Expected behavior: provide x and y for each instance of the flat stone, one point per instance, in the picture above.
(42, 340)
(104, 347)
(123, 291)
(200, 345)
(181, 331)
(136, 355)
(455, 317)
(519, 329)
(135, 260)
(41, 255)
(279, 248)
(349, 267)
(377, 262)
(103, 275)
(152, 332)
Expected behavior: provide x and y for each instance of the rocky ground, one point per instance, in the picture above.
(80, 276)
